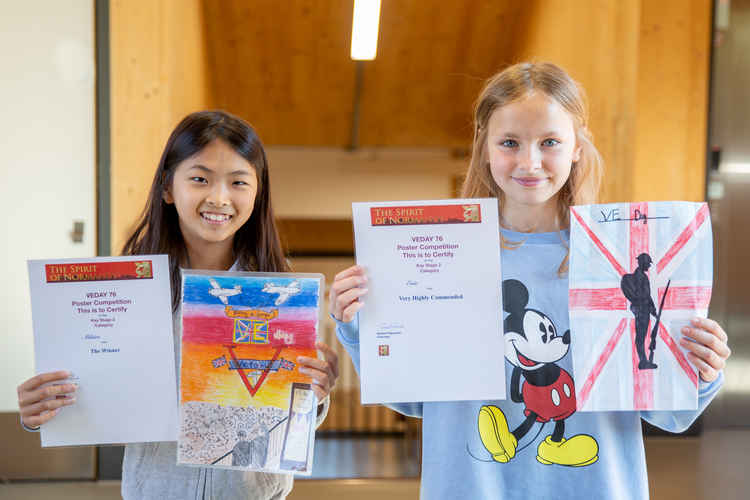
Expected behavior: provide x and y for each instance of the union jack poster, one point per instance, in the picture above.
(638, 273)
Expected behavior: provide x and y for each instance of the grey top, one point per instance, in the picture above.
(150, 470)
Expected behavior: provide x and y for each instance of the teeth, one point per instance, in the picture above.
(216, 217)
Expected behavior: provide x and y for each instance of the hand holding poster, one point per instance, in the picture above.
(638, 273)
(244, 403)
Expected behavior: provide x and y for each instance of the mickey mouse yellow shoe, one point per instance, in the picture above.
(577, 451)
(495, 434)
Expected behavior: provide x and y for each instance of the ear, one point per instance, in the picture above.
(515, 296)
(166, 195)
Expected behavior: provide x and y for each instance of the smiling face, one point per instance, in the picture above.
(213, 192)
(537, 345)
(531, 145)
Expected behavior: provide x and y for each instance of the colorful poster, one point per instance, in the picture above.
(108, 320)
(243, 402)
(433, 306)
(638, 273)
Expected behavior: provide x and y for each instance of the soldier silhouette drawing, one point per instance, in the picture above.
(637, 290)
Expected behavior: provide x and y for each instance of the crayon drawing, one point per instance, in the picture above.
(243, 402)
(638, 273)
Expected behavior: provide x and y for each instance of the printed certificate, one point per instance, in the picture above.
(244, 404)
(108, 320)
(431, 327)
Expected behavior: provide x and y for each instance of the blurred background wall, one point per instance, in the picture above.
(286, 69)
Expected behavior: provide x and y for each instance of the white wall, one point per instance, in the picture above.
(47, 159)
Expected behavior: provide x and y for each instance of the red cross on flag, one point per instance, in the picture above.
(638, 273)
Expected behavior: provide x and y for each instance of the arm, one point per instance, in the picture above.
(515, 392)
(708, 351)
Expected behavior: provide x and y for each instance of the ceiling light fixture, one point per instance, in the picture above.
(365, 24)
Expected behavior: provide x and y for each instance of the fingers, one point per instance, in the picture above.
(707, 372)
(707, 347)
(346, 290)
(42, 404)
(320, 393)
(29, 398)
(350, 312)
(350, 271)
(330, 356)
(43, 378)
(39, 420)
(321, 381)
(47, 406)
(323, 372)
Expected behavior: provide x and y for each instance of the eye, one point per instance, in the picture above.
(551, 329)
(544, 332)
(549, 143)
(241, 183)
(201, 180)
(509, 143)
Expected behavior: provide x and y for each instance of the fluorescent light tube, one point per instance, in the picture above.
(365, 24)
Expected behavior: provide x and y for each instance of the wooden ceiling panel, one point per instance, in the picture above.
(284, 66)
(433, 57)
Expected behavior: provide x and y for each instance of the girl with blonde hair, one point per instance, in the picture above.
(533, 151)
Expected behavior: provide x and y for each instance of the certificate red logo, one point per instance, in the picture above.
(426, 214)
(99, 271)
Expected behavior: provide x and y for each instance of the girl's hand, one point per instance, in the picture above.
(39, 404)
(708, 349)
(324, 372)
(346, 290)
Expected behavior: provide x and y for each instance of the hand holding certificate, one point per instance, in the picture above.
(107, 321)
(431, 328)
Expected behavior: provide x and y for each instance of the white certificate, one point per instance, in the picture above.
(430, 329)
(108, 321)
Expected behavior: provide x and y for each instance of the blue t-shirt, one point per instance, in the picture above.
(534, 444)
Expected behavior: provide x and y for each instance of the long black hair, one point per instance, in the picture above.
(256, 243)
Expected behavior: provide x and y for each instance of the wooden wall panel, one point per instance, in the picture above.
(673, 76)
(158, 75)
(597, 43)
(284, 67)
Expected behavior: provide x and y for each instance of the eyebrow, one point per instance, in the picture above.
(208, 170)
(546, 134)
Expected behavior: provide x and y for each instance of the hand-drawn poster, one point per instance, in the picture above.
(638, 273)
(243, 402)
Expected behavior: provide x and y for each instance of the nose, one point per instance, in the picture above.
(566, 337)
(219, 195)
(531, 158)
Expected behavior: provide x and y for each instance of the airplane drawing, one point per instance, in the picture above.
(223, 293)
(284, 291)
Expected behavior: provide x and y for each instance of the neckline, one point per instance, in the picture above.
(536, 238)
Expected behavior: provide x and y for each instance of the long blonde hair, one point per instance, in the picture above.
(513, 84)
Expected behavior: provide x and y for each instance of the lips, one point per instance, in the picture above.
(529, 181)
(215, 218)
